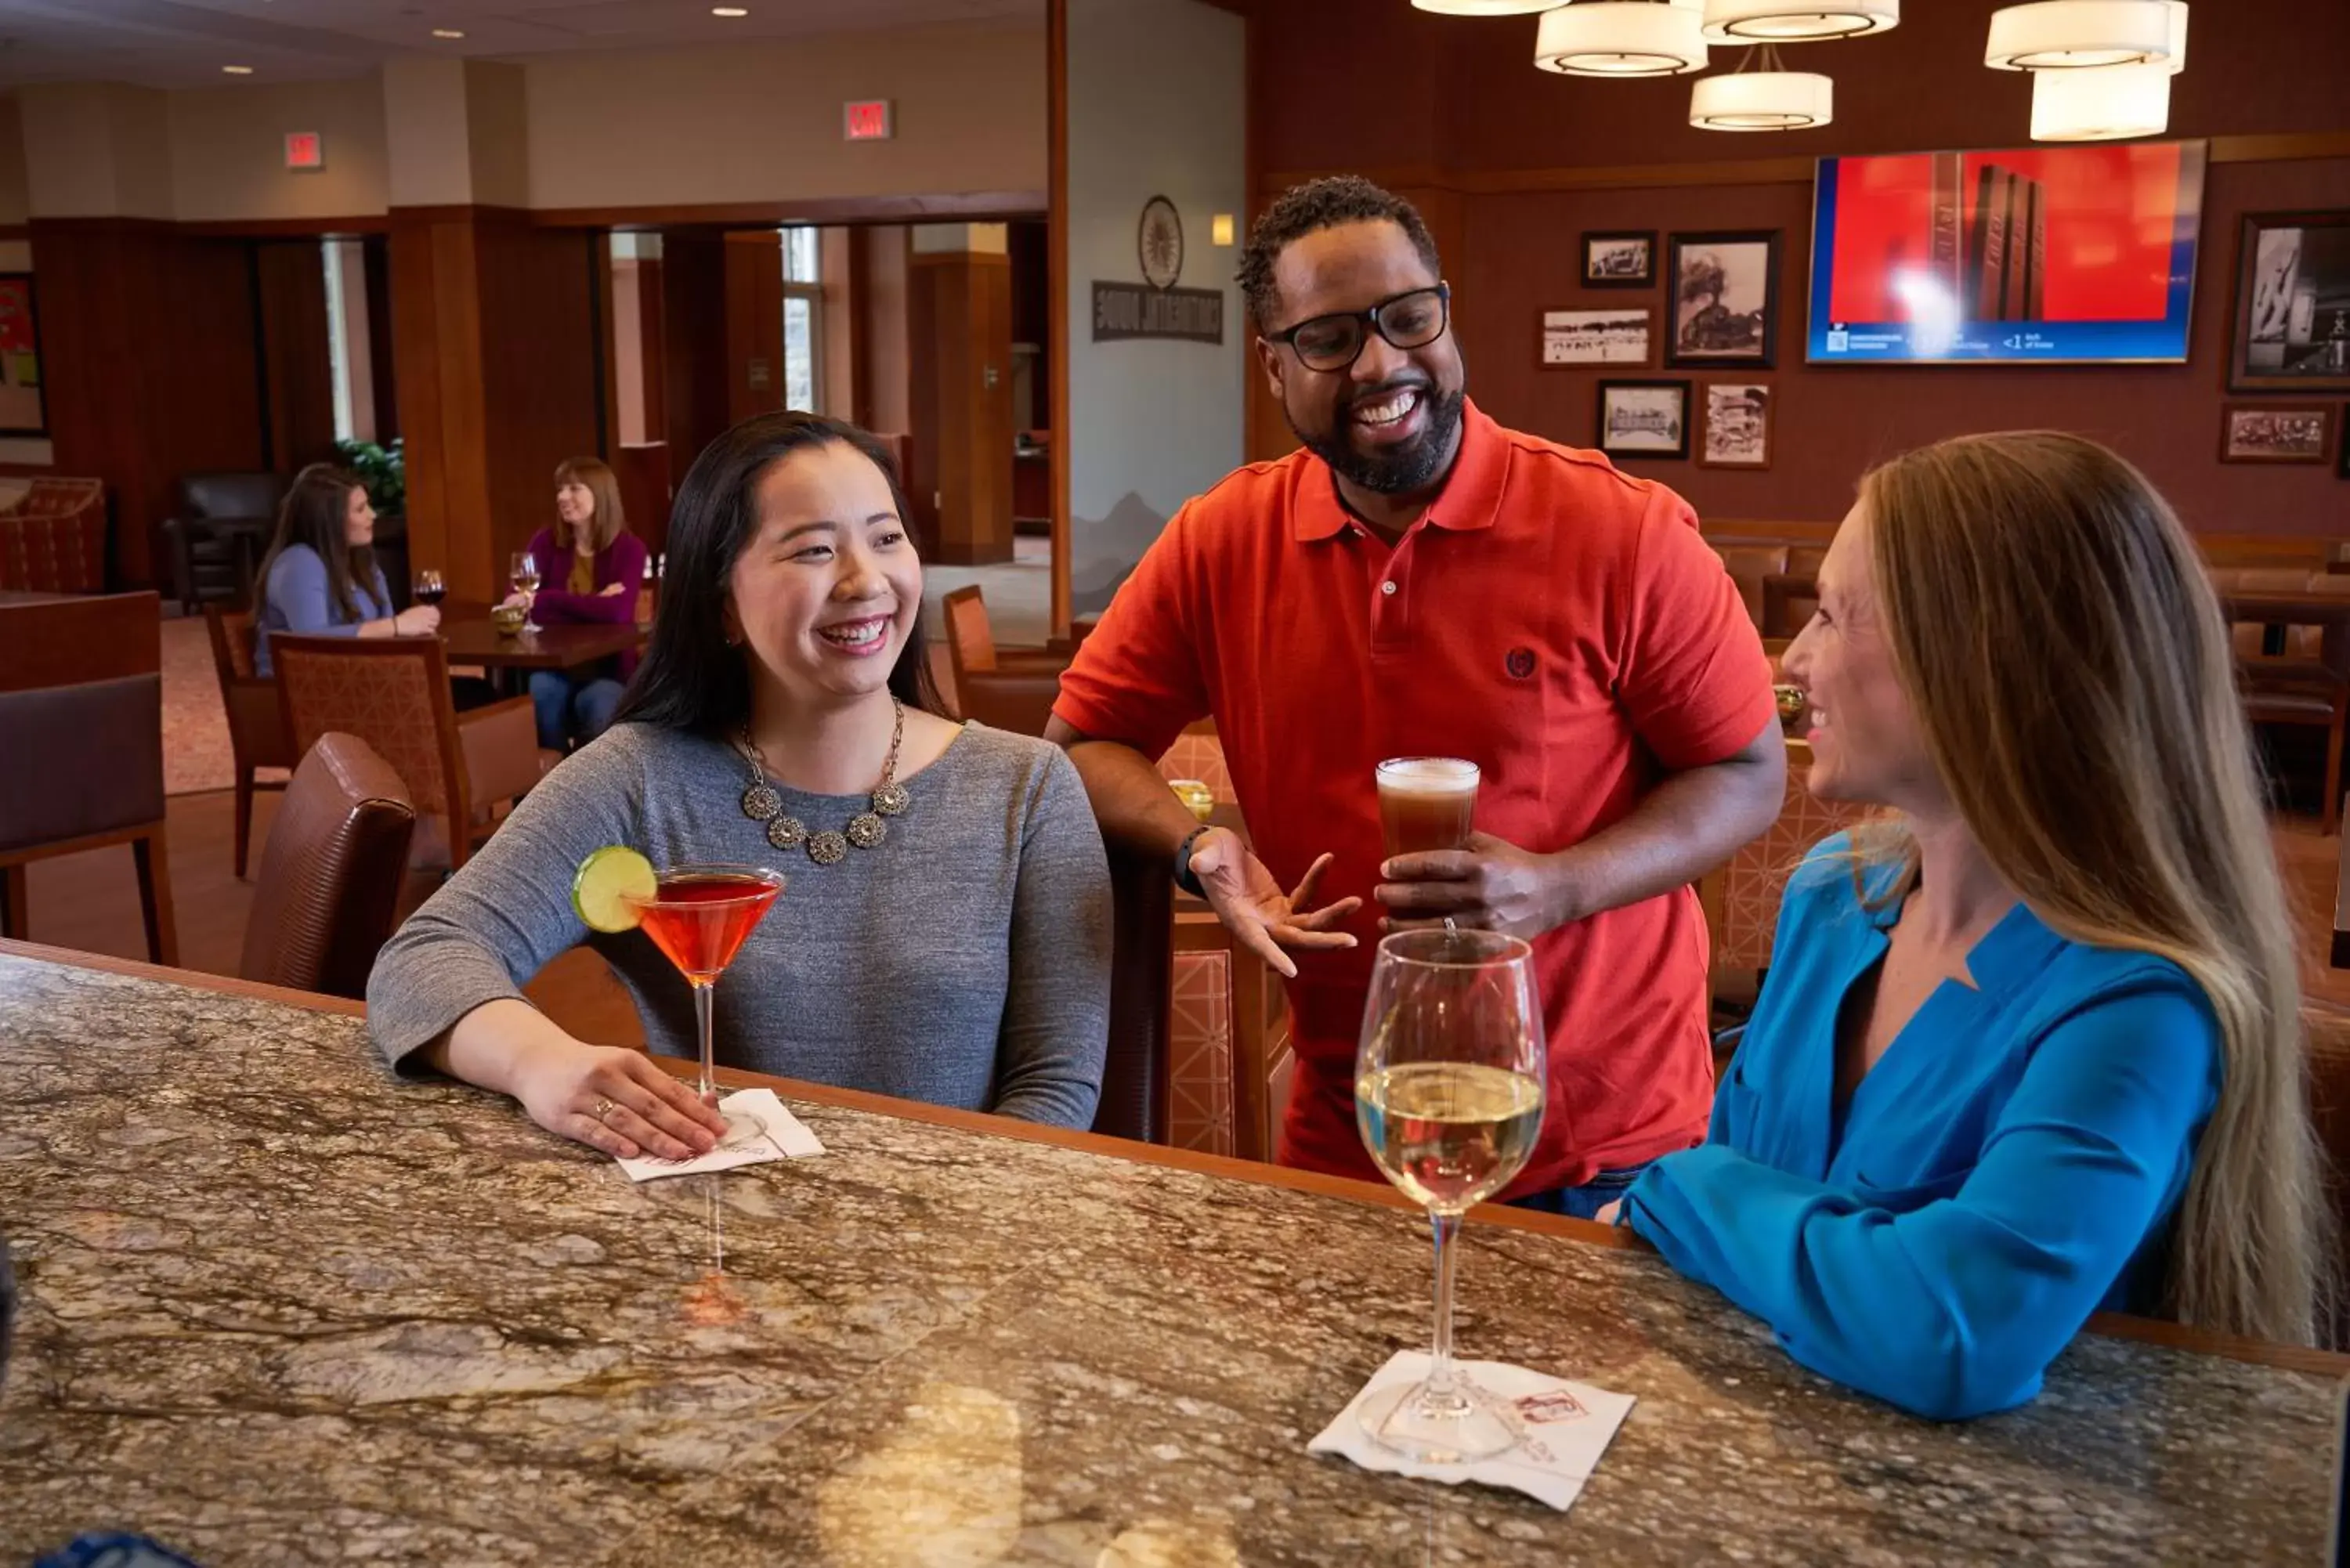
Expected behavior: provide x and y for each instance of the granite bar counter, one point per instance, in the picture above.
(278, 1309)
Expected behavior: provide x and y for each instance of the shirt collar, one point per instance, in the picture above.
(1472, 496)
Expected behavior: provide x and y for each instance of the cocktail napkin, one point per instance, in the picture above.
(774, 1133)
(1563, 1428)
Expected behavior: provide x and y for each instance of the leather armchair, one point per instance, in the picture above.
(219, 532)
(1134, 1091)
(81, 726)
(331, 876)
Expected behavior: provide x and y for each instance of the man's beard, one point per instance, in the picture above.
(1394, 471)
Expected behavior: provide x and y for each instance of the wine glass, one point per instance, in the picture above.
(698, 917)
(430, 590)
(1448, 1090)
(523, 572)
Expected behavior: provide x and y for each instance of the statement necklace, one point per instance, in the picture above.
(763, 802)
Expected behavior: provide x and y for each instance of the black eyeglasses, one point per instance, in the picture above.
(1335, 342)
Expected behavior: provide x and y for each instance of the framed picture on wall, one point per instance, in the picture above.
(2292, 304)
(2275, 433)
(22, 411)
(1623, 260)
(1618, 337)
(1734, 430)
(1725, 300)
(1643, 419)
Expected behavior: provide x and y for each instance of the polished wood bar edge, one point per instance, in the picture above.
(2150, 1331)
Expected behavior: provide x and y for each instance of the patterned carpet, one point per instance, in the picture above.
(196, 755)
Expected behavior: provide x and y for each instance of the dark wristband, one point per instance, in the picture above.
(1185, 877)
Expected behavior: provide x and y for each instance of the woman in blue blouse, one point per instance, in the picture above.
(319, 577)
(2029, 1046)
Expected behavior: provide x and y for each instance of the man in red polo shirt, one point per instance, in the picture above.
(1420, 582)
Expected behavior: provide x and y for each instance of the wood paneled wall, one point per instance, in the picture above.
(959, 315)
(148, 341)
(495, 329)
(754, 323)
(298, 361)
(693, 335)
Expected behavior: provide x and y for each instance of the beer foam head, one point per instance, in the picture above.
(1428, 775)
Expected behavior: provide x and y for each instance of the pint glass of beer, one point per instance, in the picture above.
(1426, 803)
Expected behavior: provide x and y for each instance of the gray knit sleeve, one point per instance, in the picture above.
(507, 913)
(1056, 1012)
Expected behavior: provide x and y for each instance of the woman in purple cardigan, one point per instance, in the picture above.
(590, 567)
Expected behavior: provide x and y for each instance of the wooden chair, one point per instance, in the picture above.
(1227, 1035)
(1741, 899)
(393, 693)
(81, 726)
(256, 723)
(1011, 692)
(2295, 674)
(332, 877)
(1748, 564)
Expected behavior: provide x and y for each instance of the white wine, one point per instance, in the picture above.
(1447, 1133)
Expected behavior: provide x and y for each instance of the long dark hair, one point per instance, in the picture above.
(314, 513)
(690, 679)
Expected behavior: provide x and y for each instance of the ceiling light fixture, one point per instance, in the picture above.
(1621, 38)
(1483, 7)
(237, 70)
(727, 11)
(447, 32)
(2109, 105)
(2083, 35)
(1770, 99)
(1793, 21)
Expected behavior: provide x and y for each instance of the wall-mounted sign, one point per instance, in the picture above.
(868, 120)
(1156, 307)
(305, 152)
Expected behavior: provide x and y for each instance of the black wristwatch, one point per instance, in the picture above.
(1185, 877)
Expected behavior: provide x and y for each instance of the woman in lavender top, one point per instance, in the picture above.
(320, 577)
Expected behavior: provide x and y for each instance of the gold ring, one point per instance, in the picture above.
(603, 1107)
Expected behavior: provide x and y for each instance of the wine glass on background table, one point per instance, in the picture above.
(1449, 1089)
(523, 573)
(697, 916)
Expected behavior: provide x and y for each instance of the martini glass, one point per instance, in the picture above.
(698, 917)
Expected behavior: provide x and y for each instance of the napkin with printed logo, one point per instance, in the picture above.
(1562, 1428)
(768, 1131)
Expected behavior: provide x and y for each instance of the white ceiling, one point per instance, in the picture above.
(184, 43)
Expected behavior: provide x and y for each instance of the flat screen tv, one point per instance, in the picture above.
(2046, 255)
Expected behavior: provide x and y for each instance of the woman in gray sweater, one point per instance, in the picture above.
(784, 710)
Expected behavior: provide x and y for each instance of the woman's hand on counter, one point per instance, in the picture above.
(642, 1109)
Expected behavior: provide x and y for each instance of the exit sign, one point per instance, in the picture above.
(305, 152)
(869, 121)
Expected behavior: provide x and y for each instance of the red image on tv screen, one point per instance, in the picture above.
(2064, 233)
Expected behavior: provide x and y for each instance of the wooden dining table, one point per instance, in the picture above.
(280, 1306)
(470, 639)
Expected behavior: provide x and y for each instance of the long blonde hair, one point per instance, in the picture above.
(2053, 626)
(605, 486)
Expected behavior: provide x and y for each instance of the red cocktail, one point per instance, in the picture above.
(698, 917)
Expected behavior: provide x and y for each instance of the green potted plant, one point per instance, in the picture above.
(383, 470)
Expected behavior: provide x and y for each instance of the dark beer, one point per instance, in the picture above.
(1427, 802)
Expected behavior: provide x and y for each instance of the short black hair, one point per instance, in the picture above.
(1307, 209)
(690, 679)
